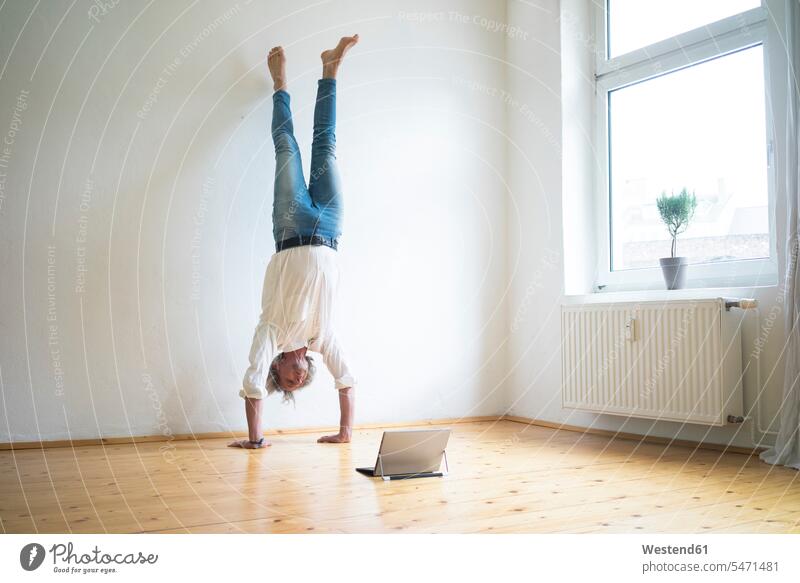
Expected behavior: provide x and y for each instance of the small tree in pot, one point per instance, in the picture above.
(676, 211)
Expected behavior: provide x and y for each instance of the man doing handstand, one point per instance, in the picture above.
(301, 280)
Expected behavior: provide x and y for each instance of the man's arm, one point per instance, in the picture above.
(262, 351)
(346, 408)
(334, 360)
(255, 439)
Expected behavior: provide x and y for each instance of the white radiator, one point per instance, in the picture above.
(676, 360)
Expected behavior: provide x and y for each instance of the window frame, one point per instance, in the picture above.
(723, 37)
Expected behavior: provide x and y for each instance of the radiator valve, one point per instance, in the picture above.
(743, 303)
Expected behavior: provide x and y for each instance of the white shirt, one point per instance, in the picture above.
(297, 310)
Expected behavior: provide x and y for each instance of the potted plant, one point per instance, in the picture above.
(676, 211)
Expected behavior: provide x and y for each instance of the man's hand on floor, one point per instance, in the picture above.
(247, 444)
(338, 438)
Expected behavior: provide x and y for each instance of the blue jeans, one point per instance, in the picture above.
(317, 209)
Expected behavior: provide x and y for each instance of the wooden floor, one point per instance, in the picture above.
(505, 477)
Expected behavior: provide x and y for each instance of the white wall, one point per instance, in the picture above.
(551, 201)
(466, 198)
(535, 247)
(136, 199)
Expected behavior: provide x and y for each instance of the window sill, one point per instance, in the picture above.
(737, 275)
(666, 295)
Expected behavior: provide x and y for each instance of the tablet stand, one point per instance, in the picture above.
(411, 476)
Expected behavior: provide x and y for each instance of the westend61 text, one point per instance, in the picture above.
(672, 550)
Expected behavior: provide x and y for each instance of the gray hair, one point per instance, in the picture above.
(273, 384)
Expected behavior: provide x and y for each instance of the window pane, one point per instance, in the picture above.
(633, 24)
(702, 128)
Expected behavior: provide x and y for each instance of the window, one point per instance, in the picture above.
(682, 104)
(633, 24)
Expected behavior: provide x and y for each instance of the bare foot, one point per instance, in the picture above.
(332, 58)
(276, 61)
(246, 444)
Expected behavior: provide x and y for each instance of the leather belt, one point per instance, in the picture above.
(306, 240)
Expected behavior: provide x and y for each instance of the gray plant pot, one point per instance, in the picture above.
(674, 271)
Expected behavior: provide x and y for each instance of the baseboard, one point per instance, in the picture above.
(636, 437)
(122, 440)
(135, 439)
